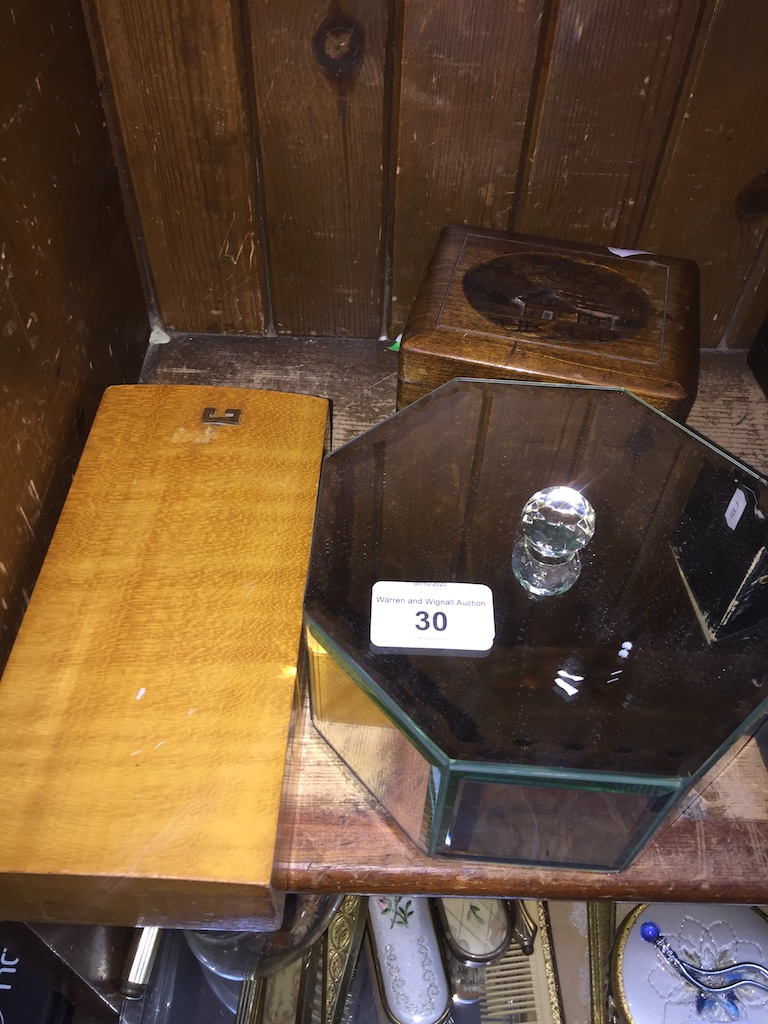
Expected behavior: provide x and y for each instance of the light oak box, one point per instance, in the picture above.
(147, 703)
(498, 305)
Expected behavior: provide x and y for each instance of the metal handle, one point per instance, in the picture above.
(230, 417)
(140, 961)
(524, 928)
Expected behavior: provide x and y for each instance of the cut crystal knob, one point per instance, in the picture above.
(557, 523)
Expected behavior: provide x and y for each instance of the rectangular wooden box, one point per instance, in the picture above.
(147, 702)
(497, 305)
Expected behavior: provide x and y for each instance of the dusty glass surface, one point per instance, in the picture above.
(595, 709)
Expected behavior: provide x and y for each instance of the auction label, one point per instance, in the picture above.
(432, 616)
(736, 507)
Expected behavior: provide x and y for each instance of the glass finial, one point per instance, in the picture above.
(557, 523)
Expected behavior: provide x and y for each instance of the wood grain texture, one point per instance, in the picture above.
(319, 80)
(710, 201)
(465, 79)
(613, 71)
(175, 77)
(150, 689)
(341, 838)
(731, 410)
(304, 156)
(72, 313)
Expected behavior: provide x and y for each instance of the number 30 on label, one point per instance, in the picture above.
(439, 621)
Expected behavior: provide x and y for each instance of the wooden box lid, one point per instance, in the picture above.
(147, 702)
(495, 304)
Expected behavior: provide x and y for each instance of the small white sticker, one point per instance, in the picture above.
(432, 616)
(736, 508)
(628, 252)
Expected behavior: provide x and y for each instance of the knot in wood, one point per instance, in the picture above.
(752, 200)
(338, 46)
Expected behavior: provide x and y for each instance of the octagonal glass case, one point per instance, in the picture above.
(498, 724)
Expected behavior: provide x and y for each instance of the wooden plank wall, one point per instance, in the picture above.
(291, 162)
(72, 312)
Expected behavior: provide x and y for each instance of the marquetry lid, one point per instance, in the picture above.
(496, 304)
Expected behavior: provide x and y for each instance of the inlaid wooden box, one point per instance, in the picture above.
(498, 305)
(147, 703)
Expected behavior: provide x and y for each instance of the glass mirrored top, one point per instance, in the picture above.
(624, 672)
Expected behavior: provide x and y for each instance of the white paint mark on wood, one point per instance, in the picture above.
(183, 436)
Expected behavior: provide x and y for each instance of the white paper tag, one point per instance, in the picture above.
(628, 252)
(736, 507)
(432, 616)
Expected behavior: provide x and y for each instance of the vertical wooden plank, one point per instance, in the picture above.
(464, 89)
(175, 79)
(711, 201)
(614, 70)
(72, 313)
(751, 308)
(318, 76)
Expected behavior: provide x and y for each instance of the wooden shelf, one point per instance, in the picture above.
(716, 850)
